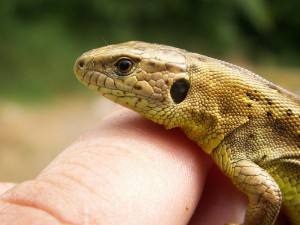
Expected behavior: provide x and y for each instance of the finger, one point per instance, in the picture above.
(128, 170)
(221, 201)
(5, 187)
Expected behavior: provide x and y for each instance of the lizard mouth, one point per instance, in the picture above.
(115, 91)
(99, 81)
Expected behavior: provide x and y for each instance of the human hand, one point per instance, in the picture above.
(127, 170)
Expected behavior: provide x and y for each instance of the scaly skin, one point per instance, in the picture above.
(248, 125)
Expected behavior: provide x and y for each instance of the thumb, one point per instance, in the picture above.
(127, 170)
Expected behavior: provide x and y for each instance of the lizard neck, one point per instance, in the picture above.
(208, 130)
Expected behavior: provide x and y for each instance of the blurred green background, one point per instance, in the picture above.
(42, 105)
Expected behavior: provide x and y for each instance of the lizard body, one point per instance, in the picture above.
(249, 126)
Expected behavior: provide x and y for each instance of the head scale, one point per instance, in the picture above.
(148, 78)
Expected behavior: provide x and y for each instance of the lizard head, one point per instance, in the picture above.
(148, 78)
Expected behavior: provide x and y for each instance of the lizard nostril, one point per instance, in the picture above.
(81, 63)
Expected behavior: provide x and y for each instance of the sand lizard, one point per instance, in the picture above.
(249, 126)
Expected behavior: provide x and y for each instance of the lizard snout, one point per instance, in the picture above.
(79, 67)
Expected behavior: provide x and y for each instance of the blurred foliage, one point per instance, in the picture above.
(40, 39)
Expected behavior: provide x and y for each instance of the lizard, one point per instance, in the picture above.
(249, 126)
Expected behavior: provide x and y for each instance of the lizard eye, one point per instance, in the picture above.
(124, 66)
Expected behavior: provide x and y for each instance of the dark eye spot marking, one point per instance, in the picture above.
(279, 126)
(264, 157)
(179, 90)
(289, 112)
(269, 101)
(152, 64)
(193, 68)
(137, 87)
(201, 59)
(250, 95)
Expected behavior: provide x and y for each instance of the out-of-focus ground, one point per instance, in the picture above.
(31, 135)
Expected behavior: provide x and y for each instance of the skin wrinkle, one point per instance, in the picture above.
(69, 178)
(96, 146)
(77, 181)
(38, 207)
(72, 178)
(38, 210)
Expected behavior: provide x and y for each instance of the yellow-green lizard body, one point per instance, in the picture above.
(248, 125)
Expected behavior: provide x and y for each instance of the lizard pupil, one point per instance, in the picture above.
(179, 90)
(124, 66)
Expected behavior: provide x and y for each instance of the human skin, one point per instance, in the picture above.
(127, 170)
